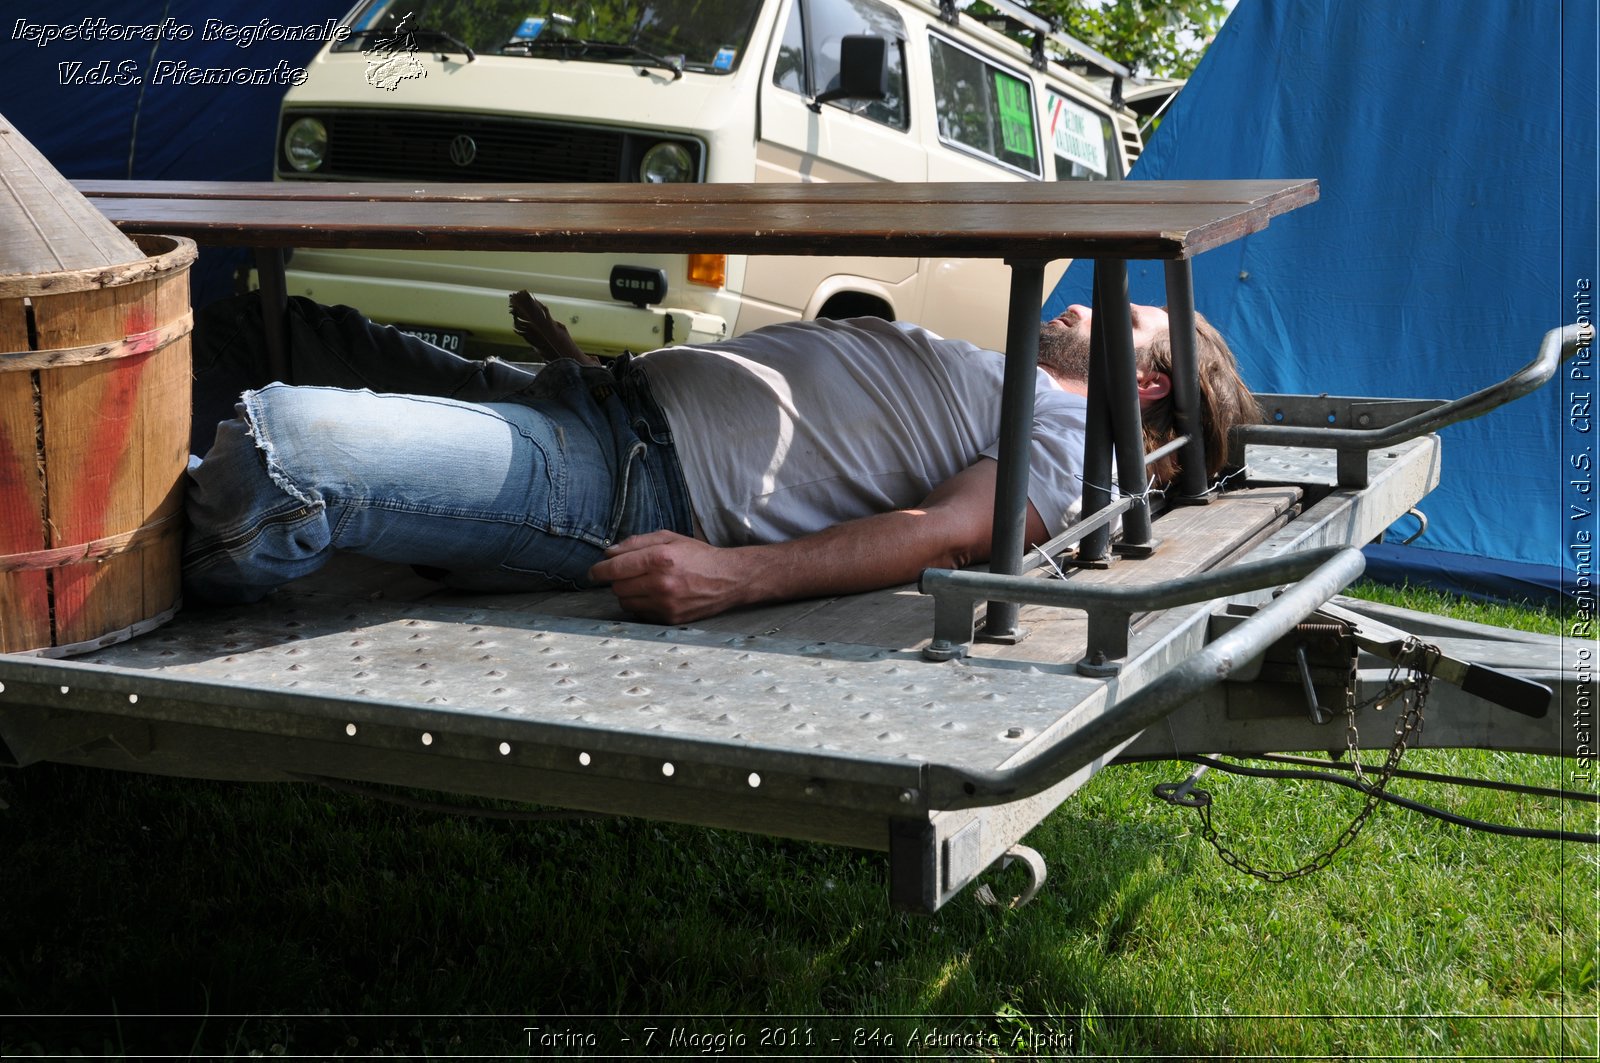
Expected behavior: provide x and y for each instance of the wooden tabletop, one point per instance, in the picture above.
(1133, 219)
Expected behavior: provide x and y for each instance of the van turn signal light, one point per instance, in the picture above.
(710, 271)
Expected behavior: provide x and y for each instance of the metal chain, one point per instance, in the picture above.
(1410, 680)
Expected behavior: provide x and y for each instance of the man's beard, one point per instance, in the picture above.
(1065, 352)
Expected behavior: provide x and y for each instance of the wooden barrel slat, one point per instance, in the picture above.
(24, 596)
(165, 448)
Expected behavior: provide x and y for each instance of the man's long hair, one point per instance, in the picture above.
(1224, 401)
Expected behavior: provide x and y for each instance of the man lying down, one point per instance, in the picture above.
(800, 460)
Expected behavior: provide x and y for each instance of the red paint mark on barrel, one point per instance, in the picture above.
(26, 618)
(82, 508)
(111, 437)
(139, 318)
(139, 329)
(20, 529)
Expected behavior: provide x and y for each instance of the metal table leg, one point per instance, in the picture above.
(1191, 485)
(1127, 425)
(1008, 545)
(274, 305)
(1127, 422)
(1095, 548)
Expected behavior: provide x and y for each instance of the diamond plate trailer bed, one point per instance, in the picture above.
(881, 721)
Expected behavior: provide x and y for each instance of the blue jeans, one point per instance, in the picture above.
(482, 474)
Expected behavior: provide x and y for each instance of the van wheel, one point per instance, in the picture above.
(855, 304)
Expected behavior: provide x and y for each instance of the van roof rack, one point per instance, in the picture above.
(1016, 18)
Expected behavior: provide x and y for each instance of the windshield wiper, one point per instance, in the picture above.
(573, 47)
(431, 34)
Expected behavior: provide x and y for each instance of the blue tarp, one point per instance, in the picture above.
(85, 86)
(1455, 145)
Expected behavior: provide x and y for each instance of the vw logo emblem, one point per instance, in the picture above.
(463, 149)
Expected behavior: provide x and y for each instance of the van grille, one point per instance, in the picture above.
(399, 145)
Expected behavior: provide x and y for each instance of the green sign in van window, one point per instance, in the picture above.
(1016, 114)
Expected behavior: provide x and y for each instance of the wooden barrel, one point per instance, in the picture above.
(94, 434)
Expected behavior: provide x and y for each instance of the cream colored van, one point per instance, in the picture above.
(430, 91)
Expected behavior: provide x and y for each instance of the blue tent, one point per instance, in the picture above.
(1455, 145)
(102, 97)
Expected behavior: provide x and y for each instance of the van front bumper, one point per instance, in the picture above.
(599, 327)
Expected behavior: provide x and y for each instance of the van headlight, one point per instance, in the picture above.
(667, 163)
(305, 144)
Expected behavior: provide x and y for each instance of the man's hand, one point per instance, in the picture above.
(531, 320)
(669, 578)
(672, 579)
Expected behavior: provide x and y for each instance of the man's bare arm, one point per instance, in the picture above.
(670, 578)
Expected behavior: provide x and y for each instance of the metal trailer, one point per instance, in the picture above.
(913, 721)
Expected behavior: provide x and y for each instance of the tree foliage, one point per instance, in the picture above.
(1164, 38)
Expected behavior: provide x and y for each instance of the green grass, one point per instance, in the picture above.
(334, 920)
(1522, 616)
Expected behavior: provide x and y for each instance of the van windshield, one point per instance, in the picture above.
(707, 36)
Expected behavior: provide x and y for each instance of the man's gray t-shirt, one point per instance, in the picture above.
(795, 428)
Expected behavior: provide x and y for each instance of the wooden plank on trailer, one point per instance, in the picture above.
(1194, 538)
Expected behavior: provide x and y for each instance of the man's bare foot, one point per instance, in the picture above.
(532, 321)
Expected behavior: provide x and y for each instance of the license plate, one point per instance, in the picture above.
(452, 340)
